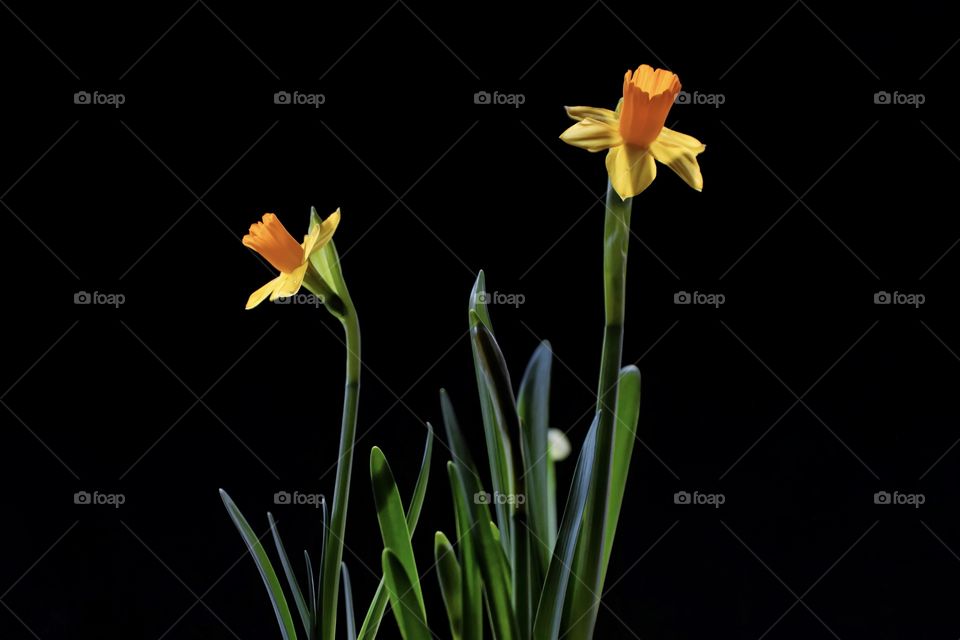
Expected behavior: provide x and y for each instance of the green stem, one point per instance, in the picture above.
(581, 608)
(333, 553)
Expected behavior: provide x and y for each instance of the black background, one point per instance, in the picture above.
(797, 399)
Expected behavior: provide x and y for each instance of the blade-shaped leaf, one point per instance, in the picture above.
(306, 616)
(550, 608)
(312, 584)
(348, 603)
(628, 413)
(490, 555)
(406, 607)
(274, 590)
(451, 583)
(325, 518)
(499, 450)
(533, 404)
(393, 523)
(522, 575)
(371, 622)
(472, 585)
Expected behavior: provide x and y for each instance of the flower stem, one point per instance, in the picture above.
(333, 553)
(583, 597)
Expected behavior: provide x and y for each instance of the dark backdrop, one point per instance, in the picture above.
(797, 400)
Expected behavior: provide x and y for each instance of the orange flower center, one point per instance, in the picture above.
(648, 95)
(271, 240)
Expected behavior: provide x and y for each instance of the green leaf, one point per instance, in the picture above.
(348, 604)
(393, 523)
(546, 625)
(522, 574)
(325, 519)
(274, 590)
(490, 555)
(451, 583)
(312, 584)
(533, 405)
(469, 561)
(406, 607)
(371, 623)
(306, 617)
(628, 413)
(458, 444)
(499, 450)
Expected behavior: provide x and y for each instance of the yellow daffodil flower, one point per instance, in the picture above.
(271, 240)
(634, 134)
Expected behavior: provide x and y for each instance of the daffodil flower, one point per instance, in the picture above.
(634, 134)
(271, 240)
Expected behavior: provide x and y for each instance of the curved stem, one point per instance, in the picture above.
(333, 553)
(584, 598)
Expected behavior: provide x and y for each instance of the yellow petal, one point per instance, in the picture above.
(679, 152)
(631, 169)
(289, 283)
(592, 135)
(594, 113)
(320, 234)
(261, 294)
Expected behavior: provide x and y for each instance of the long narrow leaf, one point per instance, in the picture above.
(306, 616)
(490, 555)
(499, 450)
(312, 587)
(371, 622)
(451, 583)
(550, 609)
(469, 561)
(393, 523)
(533, 404)
(274, 590)
(522, 574)
(406, 607)
(325, 520)
(628, 413)
(348, 603)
